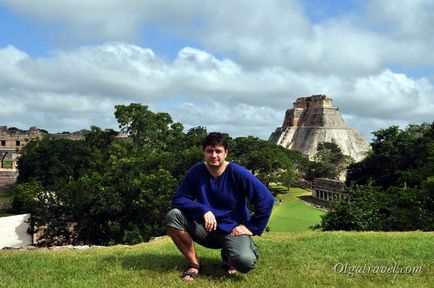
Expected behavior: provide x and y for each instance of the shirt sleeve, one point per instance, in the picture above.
(185, 197)
(262, 200)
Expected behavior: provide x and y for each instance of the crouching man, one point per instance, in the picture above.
(210, 208)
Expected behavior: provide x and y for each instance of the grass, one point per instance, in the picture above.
(293, 214)
(6, 196)
(287, 259)
(298, 259)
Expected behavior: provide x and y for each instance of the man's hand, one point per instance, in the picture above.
(210, 221)
(241, 230)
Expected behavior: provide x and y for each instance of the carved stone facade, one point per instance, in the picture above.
(328, 189)
(314, 120)
(11, 142)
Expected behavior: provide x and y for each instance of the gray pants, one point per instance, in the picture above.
(239, 251)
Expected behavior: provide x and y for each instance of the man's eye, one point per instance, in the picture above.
(216, 151)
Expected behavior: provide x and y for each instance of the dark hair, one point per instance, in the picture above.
(215, 139)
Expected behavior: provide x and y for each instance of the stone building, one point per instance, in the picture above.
(11, 142)
(313, 120)
(328, 189)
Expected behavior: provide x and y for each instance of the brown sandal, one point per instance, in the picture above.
(193, 275)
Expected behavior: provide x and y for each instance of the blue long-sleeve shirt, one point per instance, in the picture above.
(226, 197)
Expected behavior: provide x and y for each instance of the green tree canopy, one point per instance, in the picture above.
(391, 189)
(329, 162)
(270, 162)
(398, 158)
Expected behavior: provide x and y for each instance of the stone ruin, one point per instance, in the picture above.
(313, 120)
(11, 142)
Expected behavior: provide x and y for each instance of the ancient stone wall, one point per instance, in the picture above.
(11, 142)
(328, 189)
(13, 138)
(8, 178)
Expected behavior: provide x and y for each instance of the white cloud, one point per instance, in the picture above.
(81, 87)
(256, 58)
(236, 119)
(257, 33)
(105, 19)
(405, 19)
(389, 95)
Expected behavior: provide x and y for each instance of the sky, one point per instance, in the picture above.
(231, 66)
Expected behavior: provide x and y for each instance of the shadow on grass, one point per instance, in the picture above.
(211, 267)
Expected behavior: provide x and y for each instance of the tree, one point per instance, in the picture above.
(398, 158)
(147, 129)
(329, 162)
(106, 190)
(392, 189)
(271, 163)
(51, 160)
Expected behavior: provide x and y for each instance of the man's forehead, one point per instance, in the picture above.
(215, 147)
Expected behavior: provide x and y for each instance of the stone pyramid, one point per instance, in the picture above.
(314, 120)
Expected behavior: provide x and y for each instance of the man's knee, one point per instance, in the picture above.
(175, 219)
(243, 263)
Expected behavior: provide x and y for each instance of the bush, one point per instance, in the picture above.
(371, 208)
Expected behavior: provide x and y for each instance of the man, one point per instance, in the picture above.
(210, 208)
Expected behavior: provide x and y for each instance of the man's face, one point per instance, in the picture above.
(215, 155)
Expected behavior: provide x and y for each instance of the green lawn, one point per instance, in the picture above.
(298, 259)
(293, 214)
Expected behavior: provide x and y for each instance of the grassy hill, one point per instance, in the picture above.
(287, 259)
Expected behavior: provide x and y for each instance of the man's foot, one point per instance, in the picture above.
(227, 265)
(191, 273)
(229, 269)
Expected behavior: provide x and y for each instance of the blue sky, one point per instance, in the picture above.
(23, 33)
(233, 67)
